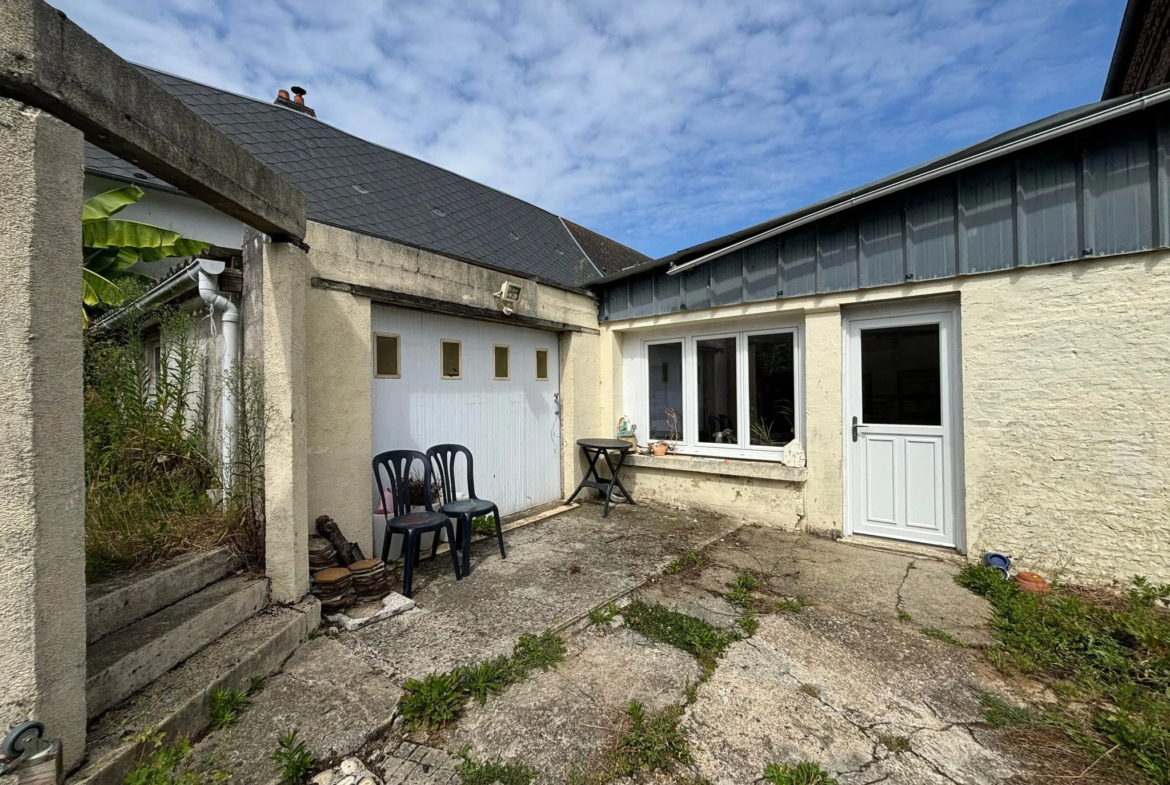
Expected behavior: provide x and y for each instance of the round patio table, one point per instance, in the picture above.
(598, 449)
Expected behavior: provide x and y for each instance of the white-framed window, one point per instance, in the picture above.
(734, 394)
(501, 363)
(542, 365)
(387, 356)
(451, 359)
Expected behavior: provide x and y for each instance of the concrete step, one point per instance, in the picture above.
(121, 601)
(176, 702)
(120, 664)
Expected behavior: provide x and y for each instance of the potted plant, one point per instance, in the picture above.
(663, 446)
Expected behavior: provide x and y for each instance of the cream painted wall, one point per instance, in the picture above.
(1066, 414)
(338, 358)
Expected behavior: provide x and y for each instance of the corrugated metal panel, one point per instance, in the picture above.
(761, 268)
(986, 220)
(930, 232)
(695, 287)
(882, 259)
(666, 293)
(642, 296)
(798, 255)
(837, 257)
(727, 279)
(1163, 182)
(1118, 195)
(619, 300)
(510, 426)
(1046, 207)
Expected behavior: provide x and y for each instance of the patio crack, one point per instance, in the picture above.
(905, 576)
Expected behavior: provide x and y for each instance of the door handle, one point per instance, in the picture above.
(855, 427)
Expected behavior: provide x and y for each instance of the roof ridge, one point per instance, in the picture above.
(350, 134)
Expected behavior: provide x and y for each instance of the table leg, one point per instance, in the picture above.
(616, 472)
(590, 471)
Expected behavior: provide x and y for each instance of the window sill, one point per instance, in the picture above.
(727, 467)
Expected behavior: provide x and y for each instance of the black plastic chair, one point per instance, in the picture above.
(411, 525)
(444, 457)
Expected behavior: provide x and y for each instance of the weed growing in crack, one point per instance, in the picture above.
(904, 617)
(224, 707)
(803, 773)
(476, 772)
(604, 614)
(689, 559)
(255, 684)
(688, 633)
(653, 743)
(439, 698)
(894, 743)
(169, 764)
(1109, 651)
(786, 605)
(293, 758)
(941, 635)
(749, 624)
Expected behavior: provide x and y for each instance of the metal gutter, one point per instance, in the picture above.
(179, 283)
(854, 198)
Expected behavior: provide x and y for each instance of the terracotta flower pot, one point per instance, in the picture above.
(659, 448)
(1030, 581)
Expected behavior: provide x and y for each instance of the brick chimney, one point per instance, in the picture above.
(297, 102)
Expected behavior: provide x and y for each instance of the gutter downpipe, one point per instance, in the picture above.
(230, 327)
(1128, 107)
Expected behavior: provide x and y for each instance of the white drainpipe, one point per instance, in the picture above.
(230, 327)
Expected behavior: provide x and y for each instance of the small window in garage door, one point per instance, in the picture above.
(501, 357)
(387, 357)
(452, 359)
(542, 365)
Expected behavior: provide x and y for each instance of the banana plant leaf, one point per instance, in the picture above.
(109, 203)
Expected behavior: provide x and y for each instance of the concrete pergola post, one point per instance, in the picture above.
(42, 485)
(277, 278)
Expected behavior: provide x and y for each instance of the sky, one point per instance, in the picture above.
(660, 123)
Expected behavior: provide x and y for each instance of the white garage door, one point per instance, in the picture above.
(488, 386)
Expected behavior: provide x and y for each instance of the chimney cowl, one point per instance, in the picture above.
(297, 102)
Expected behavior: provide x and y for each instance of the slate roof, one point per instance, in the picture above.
(358, 185)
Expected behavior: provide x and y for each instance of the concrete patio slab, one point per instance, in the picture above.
(556, 572)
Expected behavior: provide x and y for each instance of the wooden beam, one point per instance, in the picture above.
(418, 303)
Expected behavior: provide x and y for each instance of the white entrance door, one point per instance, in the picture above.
(900, 413)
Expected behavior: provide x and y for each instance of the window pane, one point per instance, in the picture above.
(451, 360)
(665, 380)
(772, 389)
(716, 368)
(542, 365)
(386, 355)
(900, 376)
(501, 363)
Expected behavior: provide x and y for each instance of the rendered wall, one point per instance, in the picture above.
(1066, 414)
(337, 354)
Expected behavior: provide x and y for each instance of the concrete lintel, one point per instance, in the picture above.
(405, 300)
(49, 62)
(726, 467)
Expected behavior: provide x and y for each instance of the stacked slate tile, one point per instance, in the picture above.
(334, 588)
(369, 580)
(322, 554)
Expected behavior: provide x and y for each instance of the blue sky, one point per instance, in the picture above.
(661, 123)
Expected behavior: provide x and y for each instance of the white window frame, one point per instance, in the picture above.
(397, 350)
(689, 444)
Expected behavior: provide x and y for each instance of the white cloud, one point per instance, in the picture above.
(661, 123)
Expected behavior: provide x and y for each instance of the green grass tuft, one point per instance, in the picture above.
(688, 633)
(293, 758)
(687, 560)
(485, 525)
(941, 635)
(803, 773)
(494, 772)
(604, 614)
(652, 743)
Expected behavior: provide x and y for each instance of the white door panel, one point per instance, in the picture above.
(901, 379)
(511, 426)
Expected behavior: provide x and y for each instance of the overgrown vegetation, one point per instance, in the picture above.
(604, 614)
(224, 707)
(941, 635)
(152, 475)
(439, 698)
(476, 772)
(684, 632)
(170, 764)
(690, 559)
(1111, 655)
(804, 773)
(293, 759)
(652, 743)
(484, 525)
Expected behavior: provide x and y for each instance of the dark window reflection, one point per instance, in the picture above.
(771, 389)
(900, 376)
(716, 367)
(666, 407)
